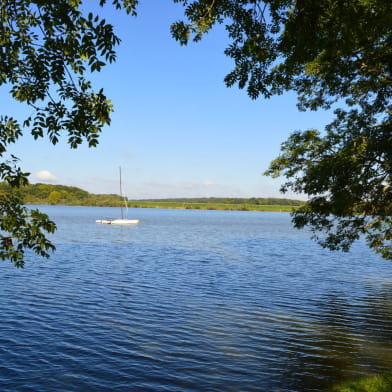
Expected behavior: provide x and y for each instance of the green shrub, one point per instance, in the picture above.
(379, 383)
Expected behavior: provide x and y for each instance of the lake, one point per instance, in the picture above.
(188, 301)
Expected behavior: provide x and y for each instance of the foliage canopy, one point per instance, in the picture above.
(335, 54)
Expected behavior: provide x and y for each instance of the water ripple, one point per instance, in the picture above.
(192, 302)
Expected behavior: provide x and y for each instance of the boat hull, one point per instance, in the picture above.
(122, 222)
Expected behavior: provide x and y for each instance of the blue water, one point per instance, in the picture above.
(191, 301)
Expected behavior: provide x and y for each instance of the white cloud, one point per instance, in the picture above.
(208, 183)
(45, 175)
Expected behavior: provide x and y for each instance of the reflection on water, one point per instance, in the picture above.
(192, 301)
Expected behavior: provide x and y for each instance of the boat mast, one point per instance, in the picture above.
(124, 197)
(121, 193)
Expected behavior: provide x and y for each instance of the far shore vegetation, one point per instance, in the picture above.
(46, 194)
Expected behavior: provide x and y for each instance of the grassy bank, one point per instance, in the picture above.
(379, 383)
(211, 206)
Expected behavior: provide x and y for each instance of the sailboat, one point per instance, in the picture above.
(123, 220)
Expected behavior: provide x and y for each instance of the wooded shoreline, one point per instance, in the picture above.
(211, 206)
(46, 194)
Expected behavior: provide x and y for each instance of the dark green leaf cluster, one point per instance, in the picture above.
(20, 228)
(324, 50)
(46, 50)
(25, 230)
(329, 52)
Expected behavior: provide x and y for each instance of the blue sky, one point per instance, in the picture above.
(177, 130)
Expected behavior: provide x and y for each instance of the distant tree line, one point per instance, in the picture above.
(270, 201)
(43, 194)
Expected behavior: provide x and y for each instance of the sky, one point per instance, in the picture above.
(177, 130)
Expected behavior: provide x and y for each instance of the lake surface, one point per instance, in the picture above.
(191, 301)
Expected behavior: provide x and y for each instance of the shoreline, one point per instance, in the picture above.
(185, 206)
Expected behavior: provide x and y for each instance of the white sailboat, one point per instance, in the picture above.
(123, 220)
